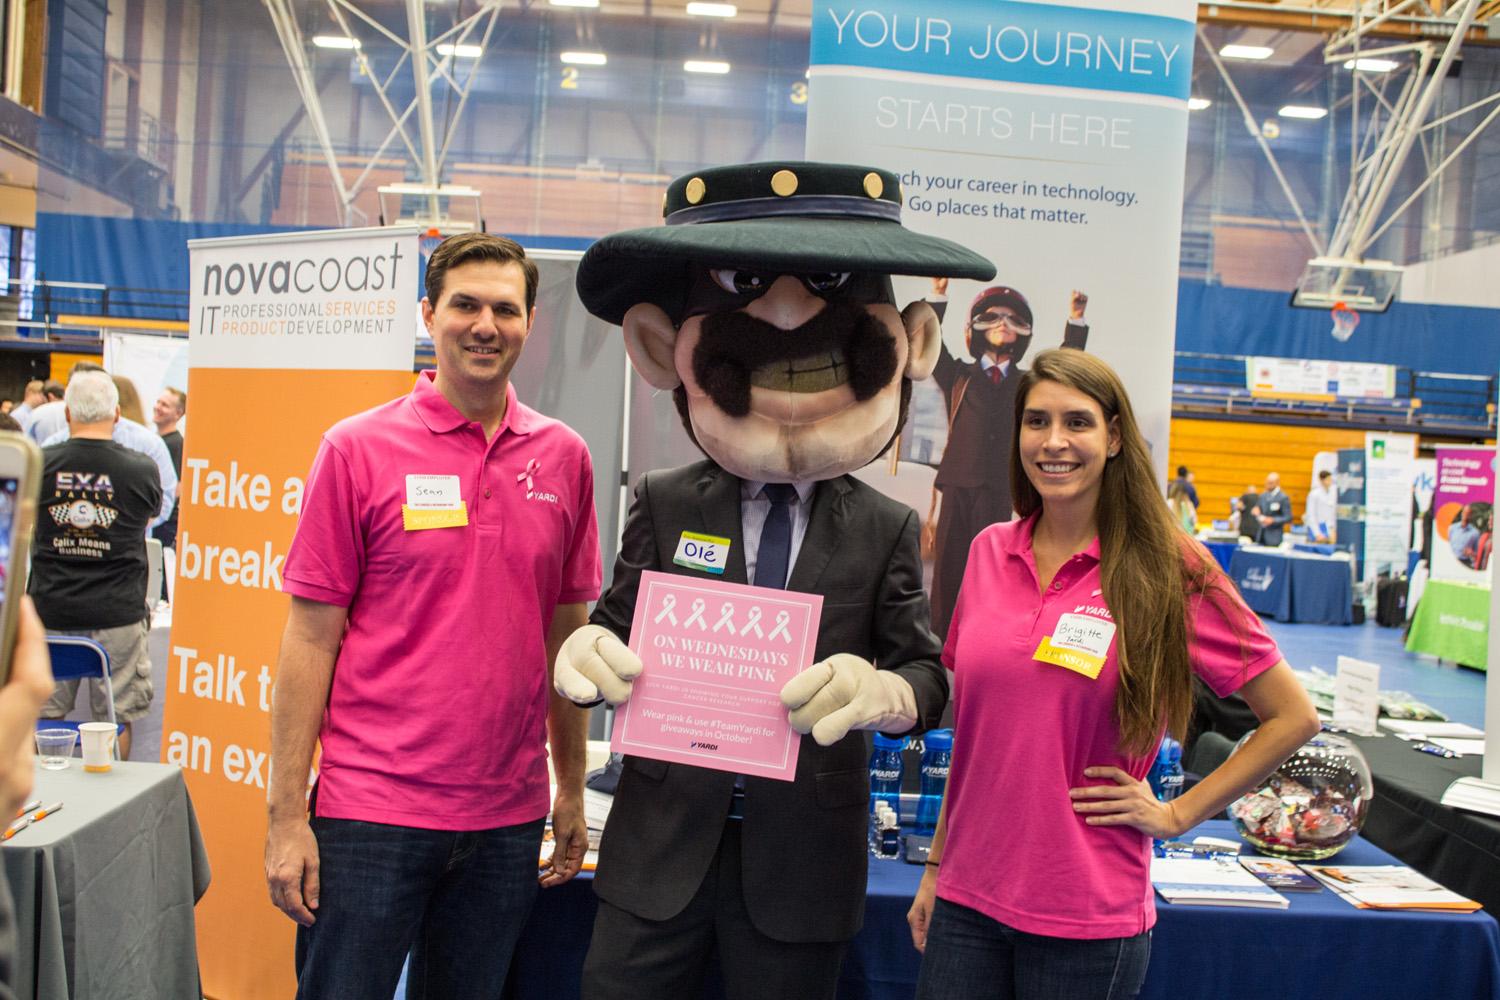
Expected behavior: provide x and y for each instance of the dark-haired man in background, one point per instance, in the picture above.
(447, 545)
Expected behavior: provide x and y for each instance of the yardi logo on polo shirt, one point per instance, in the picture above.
(528, 479)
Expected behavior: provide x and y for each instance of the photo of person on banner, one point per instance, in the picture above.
(972, 488)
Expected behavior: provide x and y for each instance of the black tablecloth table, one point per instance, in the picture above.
(1457, 848)
(1320, 947)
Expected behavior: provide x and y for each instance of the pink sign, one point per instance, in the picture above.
(716, 657)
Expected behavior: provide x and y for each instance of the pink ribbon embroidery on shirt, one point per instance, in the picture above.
(532, 468)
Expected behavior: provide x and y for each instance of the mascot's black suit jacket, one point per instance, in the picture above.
(860, 552)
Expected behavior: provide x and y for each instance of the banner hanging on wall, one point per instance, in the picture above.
(1050, 137)
(289, 334)
(1463, 514)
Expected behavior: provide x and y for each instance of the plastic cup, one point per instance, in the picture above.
(54, 747)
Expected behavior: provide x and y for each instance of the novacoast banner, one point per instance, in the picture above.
(1052, 138)
(289, 334)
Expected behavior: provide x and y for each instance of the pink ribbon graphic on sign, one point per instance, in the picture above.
(532, 468)
(697, 616)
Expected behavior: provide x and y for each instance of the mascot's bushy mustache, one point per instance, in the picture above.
(842, 344)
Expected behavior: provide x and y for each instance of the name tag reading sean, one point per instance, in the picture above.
(1079, 643)
(433, 502)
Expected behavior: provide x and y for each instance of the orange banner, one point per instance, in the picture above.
(252, 440)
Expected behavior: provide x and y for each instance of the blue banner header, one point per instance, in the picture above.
(1010, 42)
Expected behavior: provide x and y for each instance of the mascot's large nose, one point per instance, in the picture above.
(787, 305)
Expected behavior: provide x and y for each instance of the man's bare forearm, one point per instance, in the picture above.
(304, 673)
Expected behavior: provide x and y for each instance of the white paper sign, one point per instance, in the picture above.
(1356, 695)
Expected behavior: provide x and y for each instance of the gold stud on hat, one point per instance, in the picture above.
(784, 182)
(874, 186)
(696, 189)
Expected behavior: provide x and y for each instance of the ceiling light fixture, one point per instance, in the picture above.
(574, 3)
(706, 66)
(1302, 111)
(461, 51)
(583, 58)
(335, 42)
(1198, 103)
(1372, 65)
(1246, 52)
(697, 9)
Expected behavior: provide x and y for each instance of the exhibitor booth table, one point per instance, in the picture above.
(104, 889)
(1321, 943)
(1294, 586)
(1458, 848)
(1452, 622)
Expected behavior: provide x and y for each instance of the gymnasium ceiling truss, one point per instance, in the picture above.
(1424, 39)
(432, 60)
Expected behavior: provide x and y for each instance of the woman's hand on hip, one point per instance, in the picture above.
(1124, 802)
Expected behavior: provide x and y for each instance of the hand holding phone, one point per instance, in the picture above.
(20, 481)
(25, 692)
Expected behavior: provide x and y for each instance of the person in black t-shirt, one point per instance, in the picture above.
(88, 563)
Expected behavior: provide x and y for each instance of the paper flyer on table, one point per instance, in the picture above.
(716, 656)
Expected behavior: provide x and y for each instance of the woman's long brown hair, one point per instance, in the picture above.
(1148, 565)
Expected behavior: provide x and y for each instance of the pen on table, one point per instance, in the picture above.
(16, 827)
(28, 807)
(45, 811)
(1434, 749)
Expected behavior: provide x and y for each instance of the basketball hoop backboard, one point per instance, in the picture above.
(451, 208)
(1361, 285)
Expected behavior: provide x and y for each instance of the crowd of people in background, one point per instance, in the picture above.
(90, 569)
(1262, 513)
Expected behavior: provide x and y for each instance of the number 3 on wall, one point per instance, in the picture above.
(799, 93)
(570, 78)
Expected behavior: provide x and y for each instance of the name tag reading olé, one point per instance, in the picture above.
(433, 502)
(1079, 643)
(708, 553)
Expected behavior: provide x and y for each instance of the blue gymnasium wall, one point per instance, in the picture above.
(1211, 319)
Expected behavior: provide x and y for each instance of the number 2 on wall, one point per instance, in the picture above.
(570, 78)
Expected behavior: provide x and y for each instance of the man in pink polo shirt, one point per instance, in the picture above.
(447, 546)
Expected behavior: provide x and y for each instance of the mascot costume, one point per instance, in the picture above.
(765, 305)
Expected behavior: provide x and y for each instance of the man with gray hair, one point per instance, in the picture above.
(88, 563)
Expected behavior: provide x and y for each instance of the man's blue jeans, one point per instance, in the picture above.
(972, 956)
(456, 901)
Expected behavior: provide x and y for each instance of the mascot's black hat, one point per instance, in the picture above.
(780, 217)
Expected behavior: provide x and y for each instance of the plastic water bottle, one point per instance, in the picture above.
(1166, 773)
(936, 759)
(885, 773)
(1165, 776)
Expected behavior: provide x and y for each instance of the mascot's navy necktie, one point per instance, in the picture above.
(774, 557)
(772, 561)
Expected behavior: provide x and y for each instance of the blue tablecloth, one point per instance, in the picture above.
(1294, 588)
(1320, 947)
(1222, 551)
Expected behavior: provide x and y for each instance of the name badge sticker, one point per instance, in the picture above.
(433, 502)
(433, 493)
(1079, 643)
(708, 553)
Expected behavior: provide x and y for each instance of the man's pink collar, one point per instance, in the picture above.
(441, 416)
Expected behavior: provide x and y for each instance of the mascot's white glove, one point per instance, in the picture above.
(846, 692)
(593, 664)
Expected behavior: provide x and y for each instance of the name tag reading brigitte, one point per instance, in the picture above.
(433, 502)
(1079, 643)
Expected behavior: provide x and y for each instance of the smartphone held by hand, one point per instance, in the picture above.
(20, 479)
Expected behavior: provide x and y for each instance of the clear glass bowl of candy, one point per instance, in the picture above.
(1310, 806)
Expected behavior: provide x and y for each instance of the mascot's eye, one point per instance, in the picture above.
(739, 282)
(827, 282)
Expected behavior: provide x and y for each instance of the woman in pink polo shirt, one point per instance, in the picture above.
(1074, 642)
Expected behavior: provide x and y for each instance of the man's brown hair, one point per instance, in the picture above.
(469, 247)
